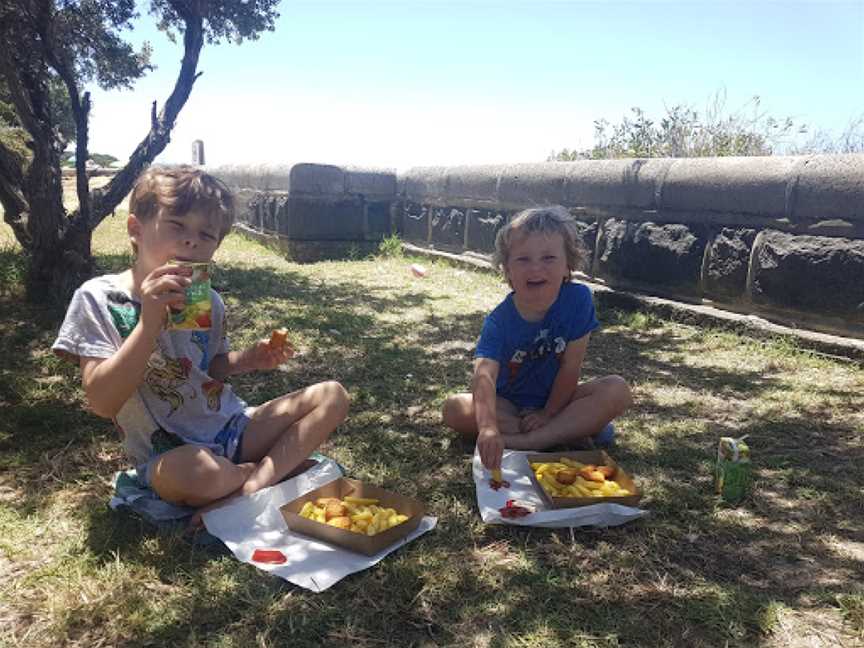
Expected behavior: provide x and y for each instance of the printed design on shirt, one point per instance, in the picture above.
(166, 377)
(124, 312)
(540, 348)
(201, 339)
(213, 391)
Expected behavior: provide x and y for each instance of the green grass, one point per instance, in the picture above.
(784, 568)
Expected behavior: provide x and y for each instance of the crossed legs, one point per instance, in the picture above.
(594, 404)
(279, 437)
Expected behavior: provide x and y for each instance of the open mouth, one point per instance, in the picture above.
(536, 283)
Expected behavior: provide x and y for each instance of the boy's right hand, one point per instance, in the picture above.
(490, 445)
(163, 288)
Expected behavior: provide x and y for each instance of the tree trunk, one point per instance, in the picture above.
(58, 257)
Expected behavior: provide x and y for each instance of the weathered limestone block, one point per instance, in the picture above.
(371, 183)
(816, 274)
(448, 228)
(736, 185)
(829, 187)
(724, 274)
(378, 219)
(615, 183)
(651, 254)
(536, 184)
(414, 222)
(322, 218)
(483, 226)
(476, 183)
(317, 179)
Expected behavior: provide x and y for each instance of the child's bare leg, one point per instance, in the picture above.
(283, 432)
(194, 476)
(458, 414)
(592, 406)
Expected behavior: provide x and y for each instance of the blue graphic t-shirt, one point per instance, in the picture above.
(529, 353)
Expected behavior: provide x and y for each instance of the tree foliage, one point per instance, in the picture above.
(51, 51)
(685, 132)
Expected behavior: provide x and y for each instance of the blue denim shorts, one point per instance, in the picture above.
(226, 444)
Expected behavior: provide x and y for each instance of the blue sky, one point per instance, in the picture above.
(401, 84)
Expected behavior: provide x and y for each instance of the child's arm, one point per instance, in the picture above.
(109, 382)
(563, 387)
(261, 356)
(489, 442)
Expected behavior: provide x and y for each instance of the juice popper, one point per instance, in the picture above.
(733, 471)
(195, 316)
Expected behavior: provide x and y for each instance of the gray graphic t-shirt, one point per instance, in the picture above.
(177, 394)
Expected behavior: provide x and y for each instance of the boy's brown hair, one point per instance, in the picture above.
(543, 220)
(178, 190)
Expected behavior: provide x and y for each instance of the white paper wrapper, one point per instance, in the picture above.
(255, 522)
(515, 469)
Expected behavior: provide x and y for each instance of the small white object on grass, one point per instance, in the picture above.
(418, 270)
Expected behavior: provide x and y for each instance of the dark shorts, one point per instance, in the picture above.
(226, 444)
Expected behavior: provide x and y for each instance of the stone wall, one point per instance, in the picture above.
(313, 211)
(782, 237)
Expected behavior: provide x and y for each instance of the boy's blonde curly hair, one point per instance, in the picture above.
(554, 219)
(178, 190)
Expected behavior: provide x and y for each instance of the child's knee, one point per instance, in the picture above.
(335, 396)
(457, 411)
(192, 475)
(620, 392)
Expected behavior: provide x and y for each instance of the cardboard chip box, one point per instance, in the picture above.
(596, 457)
(339, 488)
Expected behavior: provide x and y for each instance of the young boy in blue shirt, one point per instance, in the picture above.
(526, 390)
(192, 439)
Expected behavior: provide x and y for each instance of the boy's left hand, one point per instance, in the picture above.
(263, 357)
(534, 421)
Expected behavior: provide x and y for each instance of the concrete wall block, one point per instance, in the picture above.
(745, 185)
(724, 273)
(370, 182)
(325, 218)
(259, 177)
(533, 185)
(667, 256)
(448, 228)
(414, 222)
(423, 184)
(323, 179)
(479, 182)
(614, 183)
(483, 225)
(829, 187)
(815, 274)
(378, 219)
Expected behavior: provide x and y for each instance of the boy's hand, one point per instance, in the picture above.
(534, 421)
(262, 356)
(163, 288)
(490, 445)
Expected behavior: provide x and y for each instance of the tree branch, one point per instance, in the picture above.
(12, 198)
(107, 198)
(54, 55)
